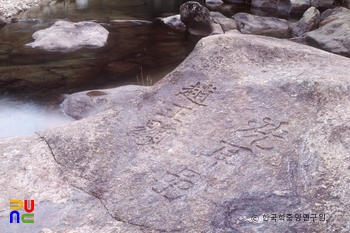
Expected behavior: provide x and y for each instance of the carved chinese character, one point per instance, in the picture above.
(152, 133)
(198, 93)
(173, 186)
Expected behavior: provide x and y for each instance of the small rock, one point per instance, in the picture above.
(196, 18)
(258, 25)
(68, 37)
(173, 22)
(308, 22)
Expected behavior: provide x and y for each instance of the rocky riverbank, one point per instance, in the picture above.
(245, 129)
(9, 8)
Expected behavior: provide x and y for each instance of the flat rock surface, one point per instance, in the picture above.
(245, 126)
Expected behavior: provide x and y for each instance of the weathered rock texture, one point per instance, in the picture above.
(246, 126)
(308, 22)
(258, 25)
(88, 103)
(196, 18)
(334, 33)
(66, 36)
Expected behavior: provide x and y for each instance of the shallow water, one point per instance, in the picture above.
(158, 51)
(20, 116)
(24, 115)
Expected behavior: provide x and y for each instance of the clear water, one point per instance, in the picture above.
(20, 115)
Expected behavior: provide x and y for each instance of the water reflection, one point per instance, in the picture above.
(22, 117)
(82, 4)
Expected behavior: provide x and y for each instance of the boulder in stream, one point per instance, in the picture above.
(66, 36)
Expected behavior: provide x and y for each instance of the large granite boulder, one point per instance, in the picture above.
(248, 134)
(334, 33)
(196, 18)
(66, 36)
(259, 25)
(310, 20)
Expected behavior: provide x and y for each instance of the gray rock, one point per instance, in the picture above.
(323, 3)
(174, 22)
(334, 33)
(67, 37)
(245, 126)
(217, 29)
(88, 103)
(328, 12)
(258, 25)
(196, 18)
(271, 5)
(308, 22)
(226, 24)
(58, 205)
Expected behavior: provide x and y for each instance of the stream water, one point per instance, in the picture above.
(156, 49)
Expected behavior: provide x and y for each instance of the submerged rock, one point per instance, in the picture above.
(258, 25)
(65, 36)
(246, 129)
(334, 33)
